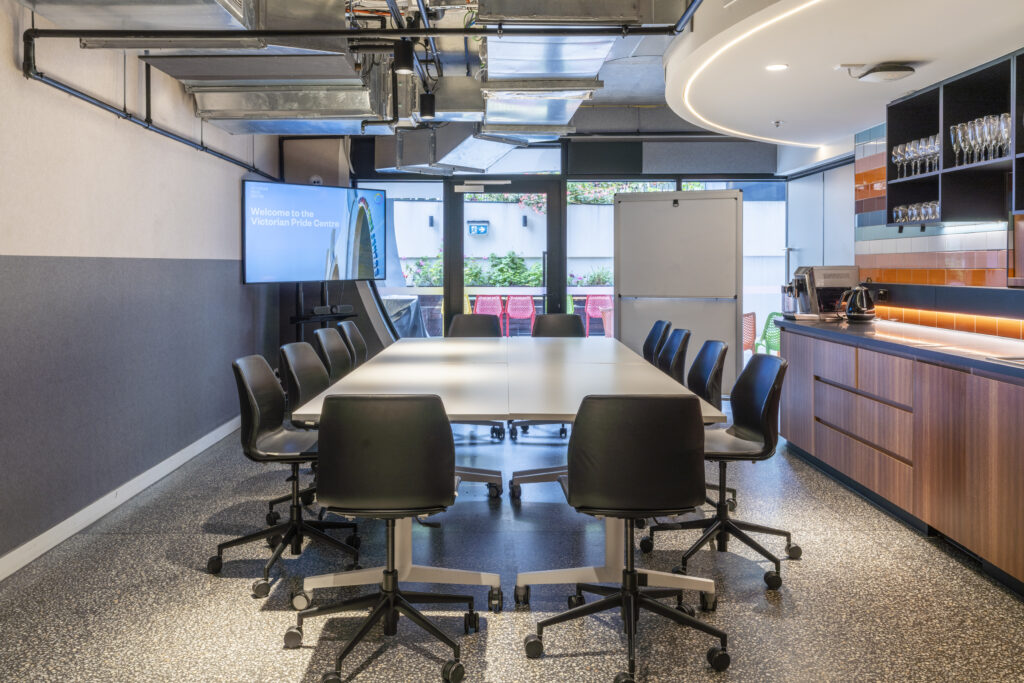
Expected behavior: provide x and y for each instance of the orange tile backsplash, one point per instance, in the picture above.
(982, 324)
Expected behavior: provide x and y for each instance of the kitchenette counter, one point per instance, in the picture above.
(952, 348)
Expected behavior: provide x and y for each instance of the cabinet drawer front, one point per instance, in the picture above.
(882, 425)
(836, 363)
(885, 376)
(886, 476)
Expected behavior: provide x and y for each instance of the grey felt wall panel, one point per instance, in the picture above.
(107, 367)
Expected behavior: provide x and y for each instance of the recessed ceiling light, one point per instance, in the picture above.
(777, 67)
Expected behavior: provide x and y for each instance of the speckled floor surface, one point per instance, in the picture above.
(129, 598)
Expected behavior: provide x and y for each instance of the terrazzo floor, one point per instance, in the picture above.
(129, 599)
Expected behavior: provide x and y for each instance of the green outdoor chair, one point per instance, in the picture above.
(770, 336)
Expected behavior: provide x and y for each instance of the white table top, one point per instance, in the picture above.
(507, 379)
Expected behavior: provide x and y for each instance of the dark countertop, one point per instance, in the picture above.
(964, 350)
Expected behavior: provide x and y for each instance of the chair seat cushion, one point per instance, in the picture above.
(288, 444)
(385, 514)
(724, 444)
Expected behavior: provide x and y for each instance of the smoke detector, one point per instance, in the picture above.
(886, 71)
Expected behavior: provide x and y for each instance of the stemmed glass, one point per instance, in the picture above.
(933, 151)
(912, 150)
(955, 144)
(984, 137)
(1004, 133)
(963, 139)
(901, 158)
(973, 140)
(897, 155)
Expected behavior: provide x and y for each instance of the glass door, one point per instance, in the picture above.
(512, 251)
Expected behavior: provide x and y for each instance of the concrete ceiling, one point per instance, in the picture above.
(816, 102)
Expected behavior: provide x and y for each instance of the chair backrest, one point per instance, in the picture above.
(594, 304)
(558, 325)
(672, 357)
(333, 352)
(475, 325)
(655, 338)
(705, 376)
(303, 374)
(520, 306)
(387, 456)
(755, 401)
(355, 342)
(749, 331)
(260, 400)
(631, 454)
(771, 335)
(488, 303)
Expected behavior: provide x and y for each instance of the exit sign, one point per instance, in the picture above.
(477, 227)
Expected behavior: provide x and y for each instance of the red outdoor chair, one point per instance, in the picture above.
(519, 307)
(594, 304)
(490, 304)
(749, 330)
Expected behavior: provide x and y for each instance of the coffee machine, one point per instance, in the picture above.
(815, 292)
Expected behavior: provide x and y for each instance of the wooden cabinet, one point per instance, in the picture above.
(883, 426)
(995, 471)
(880, 472)
(835, 363)
(797, 404)
(891, 378)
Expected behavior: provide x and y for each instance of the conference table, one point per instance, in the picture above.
(482, 380)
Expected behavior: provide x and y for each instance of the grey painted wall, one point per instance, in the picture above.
(109, 366)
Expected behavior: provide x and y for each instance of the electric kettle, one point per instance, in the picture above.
(856, 305)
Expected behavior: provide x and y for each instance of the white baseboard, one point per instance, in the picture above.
(30, 550)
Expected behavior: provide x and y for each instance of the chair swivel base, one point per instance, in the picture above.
(411, 573)
(289, 534)
(629, 598)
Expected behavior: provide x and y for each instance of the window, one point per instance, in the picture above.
(413, 291)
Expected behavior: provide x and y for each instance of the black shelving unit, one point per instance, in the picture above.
(987, 190)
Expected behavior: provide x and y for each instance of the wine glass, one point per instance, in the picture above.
(973, 139)
(895, 157)
(984, 137)
(936, 151)
(992, 123)
(912, 155)
(955, 144)
(962, 139)
(901, 158)
(1004, 133)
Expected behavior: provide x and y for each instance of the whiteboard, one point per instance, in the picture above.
(678, 244)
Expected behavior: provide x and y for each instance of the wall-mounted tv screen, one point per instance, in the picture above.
(303, 233)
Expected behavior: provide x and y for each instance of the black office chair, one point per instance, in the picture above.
(655, 340)
(370, 469)
(475, 325)
(266, 439)
(333, 352)
(354, 341)
(705, 375)
(630, 457)
(546, 325)
(672, 357)
(753, 436)
(558, 325)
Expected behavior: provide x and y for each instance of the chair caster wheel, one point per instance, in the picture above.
(562, 433)
(646, 544)
(640, 523)
(353, 540)
(471, 622)
(273, 518)
(214, 564)
(352, 566)
(686, 609)
(495, 600)
(513, 433)
(772, 580)
(524, 429)
(333, 677)
(275, 540)
(494, 490)
(679, 569)
(293, 637)
(390, 622)
(709, 601)
(515, 491)
(794, 551)
(718, 659)
(522, 595)
(306, 498)
(623, 677)
(261, 588)
(501, 433)
(576, 601)
(300, 600)
(453, 671)
(494, 432)
(320, 515)
(731, 504)
(534, 646)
